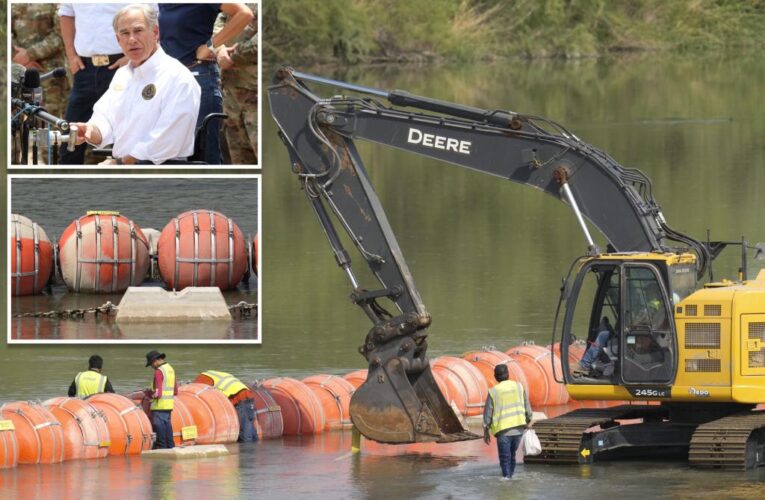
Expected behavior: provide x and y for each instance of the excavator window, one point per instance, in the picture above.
(682, 279)
(648, 341)
(630, 301)
(597, 309)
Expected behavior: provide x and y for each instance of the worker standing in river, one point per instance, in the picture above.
(162, 395)
(506, 414)
(91, 381)
(240, 396)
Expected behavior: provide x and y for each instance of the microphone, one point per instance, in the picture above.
(56, 73)
(31, 78)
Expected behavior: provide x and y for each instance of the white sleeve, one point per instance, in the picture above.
(103, 118)
(173, 133)
(66, 9)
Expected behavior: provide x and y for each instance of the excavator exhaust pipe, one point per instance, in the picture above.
(400, 402)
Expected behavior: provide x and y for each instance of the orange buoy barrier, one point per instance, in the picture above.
(202, 248)
(129, 428)
(103, 252)
(215, 417)
(334, 393)
(485, 361)
(86, 432)
(184, 429)
(302, 412)
(31, 256)
(9, 447)
(356, 377)
(268, 414)
(465, 379)
(38, 433)
(537, 364)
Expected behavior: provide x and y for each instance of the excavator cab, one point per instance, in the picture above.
(621, 306)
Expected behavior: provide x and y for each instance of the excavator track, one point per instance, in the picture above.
(561, 437)
(734, 442)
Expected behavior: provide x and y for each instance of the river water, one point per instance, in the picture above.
(487, 257)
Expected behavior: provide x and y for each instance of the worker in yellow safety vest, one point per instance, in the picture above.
(240, 396)
(91, 381)
(506, 414)
(162, 395)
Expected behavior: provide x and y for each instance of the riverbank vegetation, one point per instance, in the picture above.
(369, 31)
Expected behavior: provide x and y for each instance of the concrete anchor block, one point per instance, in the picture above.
(155, 304)
(185, 452)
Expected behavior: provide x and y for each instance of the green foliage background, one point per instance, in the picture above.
(353, 31)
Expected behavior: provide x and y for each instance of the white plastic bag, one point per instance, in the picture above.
(530, 443)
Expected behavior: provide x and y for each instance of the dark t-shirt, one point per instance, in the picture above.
(185, 26)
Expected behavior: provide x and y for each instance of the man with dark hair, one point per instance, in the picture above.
(506, 414)
(91, 381)
(162, 395)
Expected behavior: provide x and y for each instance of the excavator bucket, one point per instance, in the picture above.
(396, 407)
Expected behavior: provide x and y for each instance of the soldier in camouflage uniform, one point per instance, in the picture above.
(240, 92)
(37, 44)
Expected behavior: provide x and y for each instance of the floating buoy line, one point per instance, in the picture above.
(105, 252)
(112, 424)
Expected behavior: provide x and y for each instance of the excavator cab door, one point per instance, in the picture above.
(648, 343)
(622, 311)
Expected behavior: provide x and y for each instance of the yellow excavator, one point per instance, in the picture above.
(654, 335)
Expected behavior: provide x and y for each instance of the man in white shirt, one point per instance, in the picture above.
(150, 110)
(93, 56)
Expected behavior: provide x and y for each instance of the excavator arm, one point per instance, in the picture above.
(400, 401)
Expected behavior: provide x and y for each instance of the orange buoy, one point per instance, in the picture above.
(485, 361)
(537, 364)
(103, 252)
(9, 447)
(86, 432)
(302, 412)
(202, 248)
(31, 256)
(268, 414)
(356, 377)
(130, 431)
(465, 379)
(38, 433)
(213, 414)
(334, 393)
(184, 429)
(457, 400)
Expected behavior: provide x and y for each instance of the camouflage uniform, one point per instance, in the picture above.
(35, 29)
(240, 94)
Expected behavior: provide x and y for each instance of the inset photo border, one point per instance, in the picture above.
(43, 114)
(186, 245)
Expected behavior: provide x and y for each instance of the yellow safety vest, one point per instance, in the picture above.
(165, 400)
(225, 382)
(509, 406)
(88, 383)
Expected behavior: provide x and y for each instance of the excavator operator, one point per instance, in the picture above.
(596, 348)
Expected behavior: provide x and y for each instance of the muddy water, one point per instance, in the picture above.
(487, 257)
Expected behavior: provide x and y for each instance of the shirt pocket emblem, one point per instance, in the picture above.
(149, 92)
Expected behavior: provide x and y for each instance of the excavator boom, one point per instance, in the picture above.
(400, 401)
